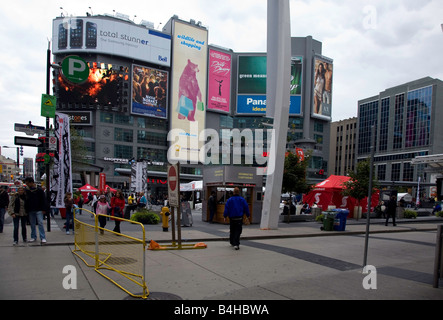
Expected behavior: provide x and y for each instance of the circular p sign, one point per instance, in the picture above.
(75, 69)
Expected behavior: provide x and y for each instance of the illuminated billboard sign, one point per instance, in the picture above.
(188, 91)
(252, 77)
(110, 36)
(149, 92)
(323, 78)
(219, 85)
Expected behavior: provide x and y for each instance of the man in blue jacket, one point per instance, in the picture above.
(235, 208)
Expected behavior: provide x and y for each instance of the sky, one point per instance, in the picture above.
(375, 44)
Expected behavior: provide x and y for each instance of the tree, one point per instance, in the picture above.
(358, 185)
(294, 176)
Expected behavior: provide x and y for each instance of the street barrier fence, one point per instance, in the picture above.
(119, 258)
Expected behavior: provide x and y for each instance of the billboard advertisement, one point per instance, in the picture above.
(219, 86)
(252, 77)
(188, 91)
(149, 92)
(103, 87)
(323, 78)
(106, 36)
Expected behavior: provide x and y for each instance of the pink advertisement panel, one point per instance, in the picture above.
(219, 88)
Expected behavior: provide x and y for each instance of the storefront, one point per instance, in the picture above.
(223, 180)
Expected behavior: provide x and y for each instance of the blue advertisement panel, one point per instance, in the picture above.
(256, 105)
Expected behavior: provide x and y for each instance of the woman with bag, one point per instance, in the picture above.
(117, 207)
(16, 210)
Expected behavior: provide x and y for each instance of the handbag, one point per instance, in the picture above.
(246, 221)
(117, 212)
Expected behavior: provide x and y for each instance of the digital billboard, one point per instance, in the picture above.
(219, 83)
(252, 77)
(188, 91)
(323, 79)
(149, 92)
(106, 36)
(103, 87)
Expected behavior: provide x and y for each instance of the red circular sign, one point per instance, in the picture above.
(172, 178)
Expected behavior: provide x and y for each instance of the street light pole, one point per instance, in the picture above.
(48, 88)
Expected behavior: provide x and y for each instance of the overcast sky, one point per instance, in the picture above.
(374, 44)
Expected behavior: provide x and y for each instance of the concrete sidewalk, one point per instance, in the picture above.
(35, 272)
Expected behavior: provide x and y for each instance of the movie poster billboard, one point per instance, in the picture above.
(252, 77)
(188, 91)
(149, 92)
(323, 80)
(219, 85)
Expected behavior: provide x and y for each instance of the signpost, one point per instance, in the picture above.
(29, 129)
(174, 199)
(28, 142)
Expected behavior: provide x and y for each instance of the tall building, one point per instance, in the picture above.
(407, 121)
(343, 142)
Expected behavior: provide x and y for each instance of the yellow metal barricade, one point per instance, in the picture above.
(116, 256)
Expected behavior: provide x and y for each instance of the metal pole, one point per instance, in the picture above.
(48, 192)
(368, 214)
(438, 253)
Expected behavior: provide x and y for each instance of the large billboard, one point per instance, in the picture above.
(106, 36)
(149, 92)
(219, 82)
(323, 79)
(251, 90)
(188, 91)
(104, 87)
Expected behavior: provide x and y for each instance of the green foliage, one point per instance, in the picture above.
(144, 216)
(439, 214)
(358, 186)
(294, 176)
(410, 214)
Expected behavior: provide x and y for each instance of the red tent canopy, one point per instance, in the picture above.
(329, 193)
(112, 189)
(88, 188)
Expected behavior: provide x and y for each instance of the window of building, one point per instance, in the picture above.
(123, 135)
(368, 114)
(398, 121)
(122, 119)
(408, 172)
(152, 123)
(123, 152)
(381, 172)
(384, 125)
(418, 117)
(106, 117)
(154, 138)
(156, 155)
(395, 171)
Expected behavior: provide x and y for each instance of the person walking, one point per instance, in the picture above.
(17, 211)
(4, 203)
(69, 205)
(101, 210)
(391, 210)
(212, 204)
(35, 208)
(117, 207)
(235, 208)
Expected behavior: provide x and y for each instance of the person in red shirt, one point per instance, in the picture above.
(118, 207)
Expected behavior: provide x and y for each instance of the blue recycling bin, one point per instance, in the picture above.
(340, 219)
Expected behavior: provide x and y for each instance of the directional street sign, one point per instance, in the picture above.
(29, 129)
(28, 142)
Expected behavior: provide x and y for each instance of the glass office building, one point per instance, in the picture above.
(406, 118)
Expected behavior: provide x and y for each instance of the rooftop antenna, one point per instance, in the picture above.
(90, 8)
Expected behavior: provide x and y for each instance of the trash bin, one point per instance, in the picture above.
(340, 219)
(328, 221)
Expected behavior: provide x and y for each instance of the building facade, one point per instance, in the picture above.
(406, 118)
(343, 142)
(120, 124)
